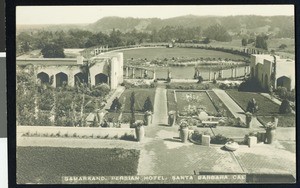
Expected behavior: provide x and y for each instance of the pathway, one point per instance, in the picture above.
(160, 115)
(234, 108)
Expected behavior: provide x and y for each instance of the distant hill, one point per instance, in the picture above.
(280, 25)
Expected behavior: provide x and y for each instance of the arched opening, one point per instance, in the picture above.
(44, 77)
(101, 78)
(284, 82)
(266, 82)
(252, 72)
(80, 78)
(61, 79)
(256, 71)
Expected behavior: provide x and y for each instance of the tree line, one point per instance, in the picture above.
(76, 38)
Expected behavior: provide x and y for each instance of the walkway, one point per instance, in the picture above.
(234, 108)
(160, 115)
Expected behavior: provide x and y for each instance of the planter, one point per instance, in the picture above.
(172, 118)
(184, 134)
(270, 136)
(231, 146)
(248, 119)
(140, 133)
(148, 119)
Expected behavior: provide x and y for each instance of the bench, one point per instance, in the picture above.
(210, 123)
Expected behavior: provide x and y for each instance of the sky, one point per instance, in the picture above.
(90, 14)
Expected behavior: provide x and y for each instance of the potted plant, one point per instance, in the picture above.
(248, 119)
(148, 118)
(172, 118)
(270, 131)
(184, 131)
(139, 131)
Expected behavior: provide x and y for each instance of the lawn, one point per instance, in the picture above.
(140, 97)
(172, 105)
(283, 121)
(266, 107)
(219, 105)
(192, 100)
(162, 53)
(47, 165)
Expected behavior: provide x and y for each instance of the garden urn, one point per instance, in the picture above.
(184, 134)
(148, 118)
(270, 133)
(140, 132)
(172, 118)
(248, 119)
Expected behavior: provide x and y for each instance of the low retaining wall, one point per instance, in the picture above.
(78, 131)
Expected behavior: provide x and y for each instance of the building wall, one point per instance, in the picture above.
(71, 67)
(261, 69)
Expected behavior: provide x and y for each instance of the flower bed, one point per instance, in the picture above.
(47, 165)
(191, 86)
(188, 102)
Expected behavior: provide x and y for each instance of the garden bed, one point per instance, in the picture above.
(219, 105)
(171, 102)
(191, 86)
(189, 101)
(266, 107)
(283, 121)
(47, 165)
(140, 97)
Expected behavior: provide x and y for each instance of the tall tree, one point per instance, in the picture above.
(53, 51)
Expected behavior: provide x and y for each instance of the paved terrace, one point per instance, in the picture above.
(162, 153)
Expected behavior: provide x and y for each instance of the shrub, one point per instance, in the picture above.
(200, 79)
(250, 85)
(127, 137)
(148, 105)
(252, 106)
(100, 90)
(116, 105)
(196, 137)
(285, 107)
(282, 46)
(219, 139)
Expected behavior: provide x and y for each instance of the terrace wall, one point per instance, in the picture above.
(80, 131)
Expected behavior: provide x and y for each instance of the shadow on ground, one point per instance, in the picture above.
(174, 139)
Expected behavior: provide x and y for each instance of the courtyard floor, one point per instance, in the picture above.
(162, 153)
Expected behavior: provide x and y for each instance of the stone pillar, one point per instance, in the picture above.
(205, 140)
(141, 73)
(54, 81)
(209, 75)
(133, 73)
(215, 76)
(71, 80)
(252, 141)
(221, 74)
(231, 72)
(236, 72)
(127, 72)
(154, 75)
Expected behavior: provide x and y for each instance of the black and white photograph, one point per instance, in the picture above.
(155, 94)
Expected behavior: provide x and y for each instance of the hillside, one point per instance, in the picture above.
(282, 26)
